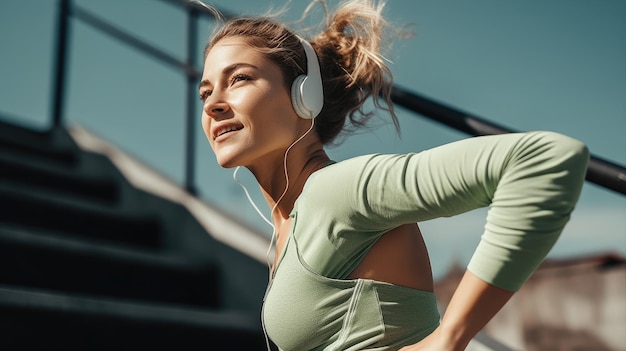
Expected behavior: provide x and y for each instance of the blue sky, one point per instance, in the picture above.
(555, 65)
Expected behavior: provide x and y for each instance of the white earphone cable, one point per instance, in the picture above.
(273, 237)
(250, 198)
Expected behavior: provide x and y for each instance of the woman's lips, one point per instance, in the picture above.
(225, 129)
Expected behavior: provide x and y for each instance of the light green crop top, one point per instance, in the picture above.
(531, 181)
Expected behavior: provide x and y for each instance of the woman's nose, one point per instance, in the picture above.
(215, 106)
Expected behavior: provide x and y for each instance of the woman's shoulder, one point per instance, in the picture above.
(345, 169)
(344, 177)
(335, 179)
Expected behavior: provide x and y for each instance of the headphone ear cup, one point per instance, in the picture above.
(296, 97)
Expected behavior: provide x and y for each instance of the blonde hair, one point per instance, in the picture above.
(349, 50)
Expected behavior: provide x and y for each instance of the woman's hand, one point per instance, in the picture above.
(434, 342)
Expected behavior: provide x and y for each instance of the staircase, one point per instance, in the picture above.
(90, 262)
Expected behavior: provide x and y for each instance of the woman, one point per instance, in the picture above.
(351, 270)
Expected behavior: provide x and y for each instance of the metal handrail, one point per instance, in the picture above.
(58, 93)
(67, 10)
(602, 172)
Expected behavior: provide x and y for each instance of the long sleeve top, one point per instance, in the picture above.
(530, 181)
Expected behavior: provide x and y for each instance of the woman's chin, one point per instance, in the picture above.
(227, 162)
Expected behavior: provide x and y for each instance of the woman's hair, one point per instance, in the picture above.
(349, 51)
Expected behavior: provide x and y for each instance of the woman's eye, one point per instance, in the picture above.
(239, 77)
(205, 95)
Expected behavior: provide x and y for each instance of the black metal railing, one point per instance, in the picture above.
(68, 10)
(602, 172)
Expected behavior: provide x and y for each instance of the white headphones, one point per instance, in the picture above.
(307, 94)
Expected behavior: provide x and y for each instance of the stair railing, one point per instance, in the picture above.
(602, 172)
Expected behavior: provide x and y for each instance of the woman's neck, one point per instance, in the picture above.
(281, 192)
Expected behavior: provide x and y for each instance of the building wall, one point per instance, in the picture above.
(566, 305)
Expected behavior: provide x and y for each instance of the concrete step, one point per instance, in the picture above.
(41, 320)
(58, 180)
(35, 210)
(59, 264)
(50, 146)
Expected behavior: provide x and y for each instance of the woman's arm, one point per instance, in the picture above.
(530, 206)
(531, 182)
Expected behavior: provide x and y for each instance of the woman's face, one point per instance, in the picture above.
(247, 115)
